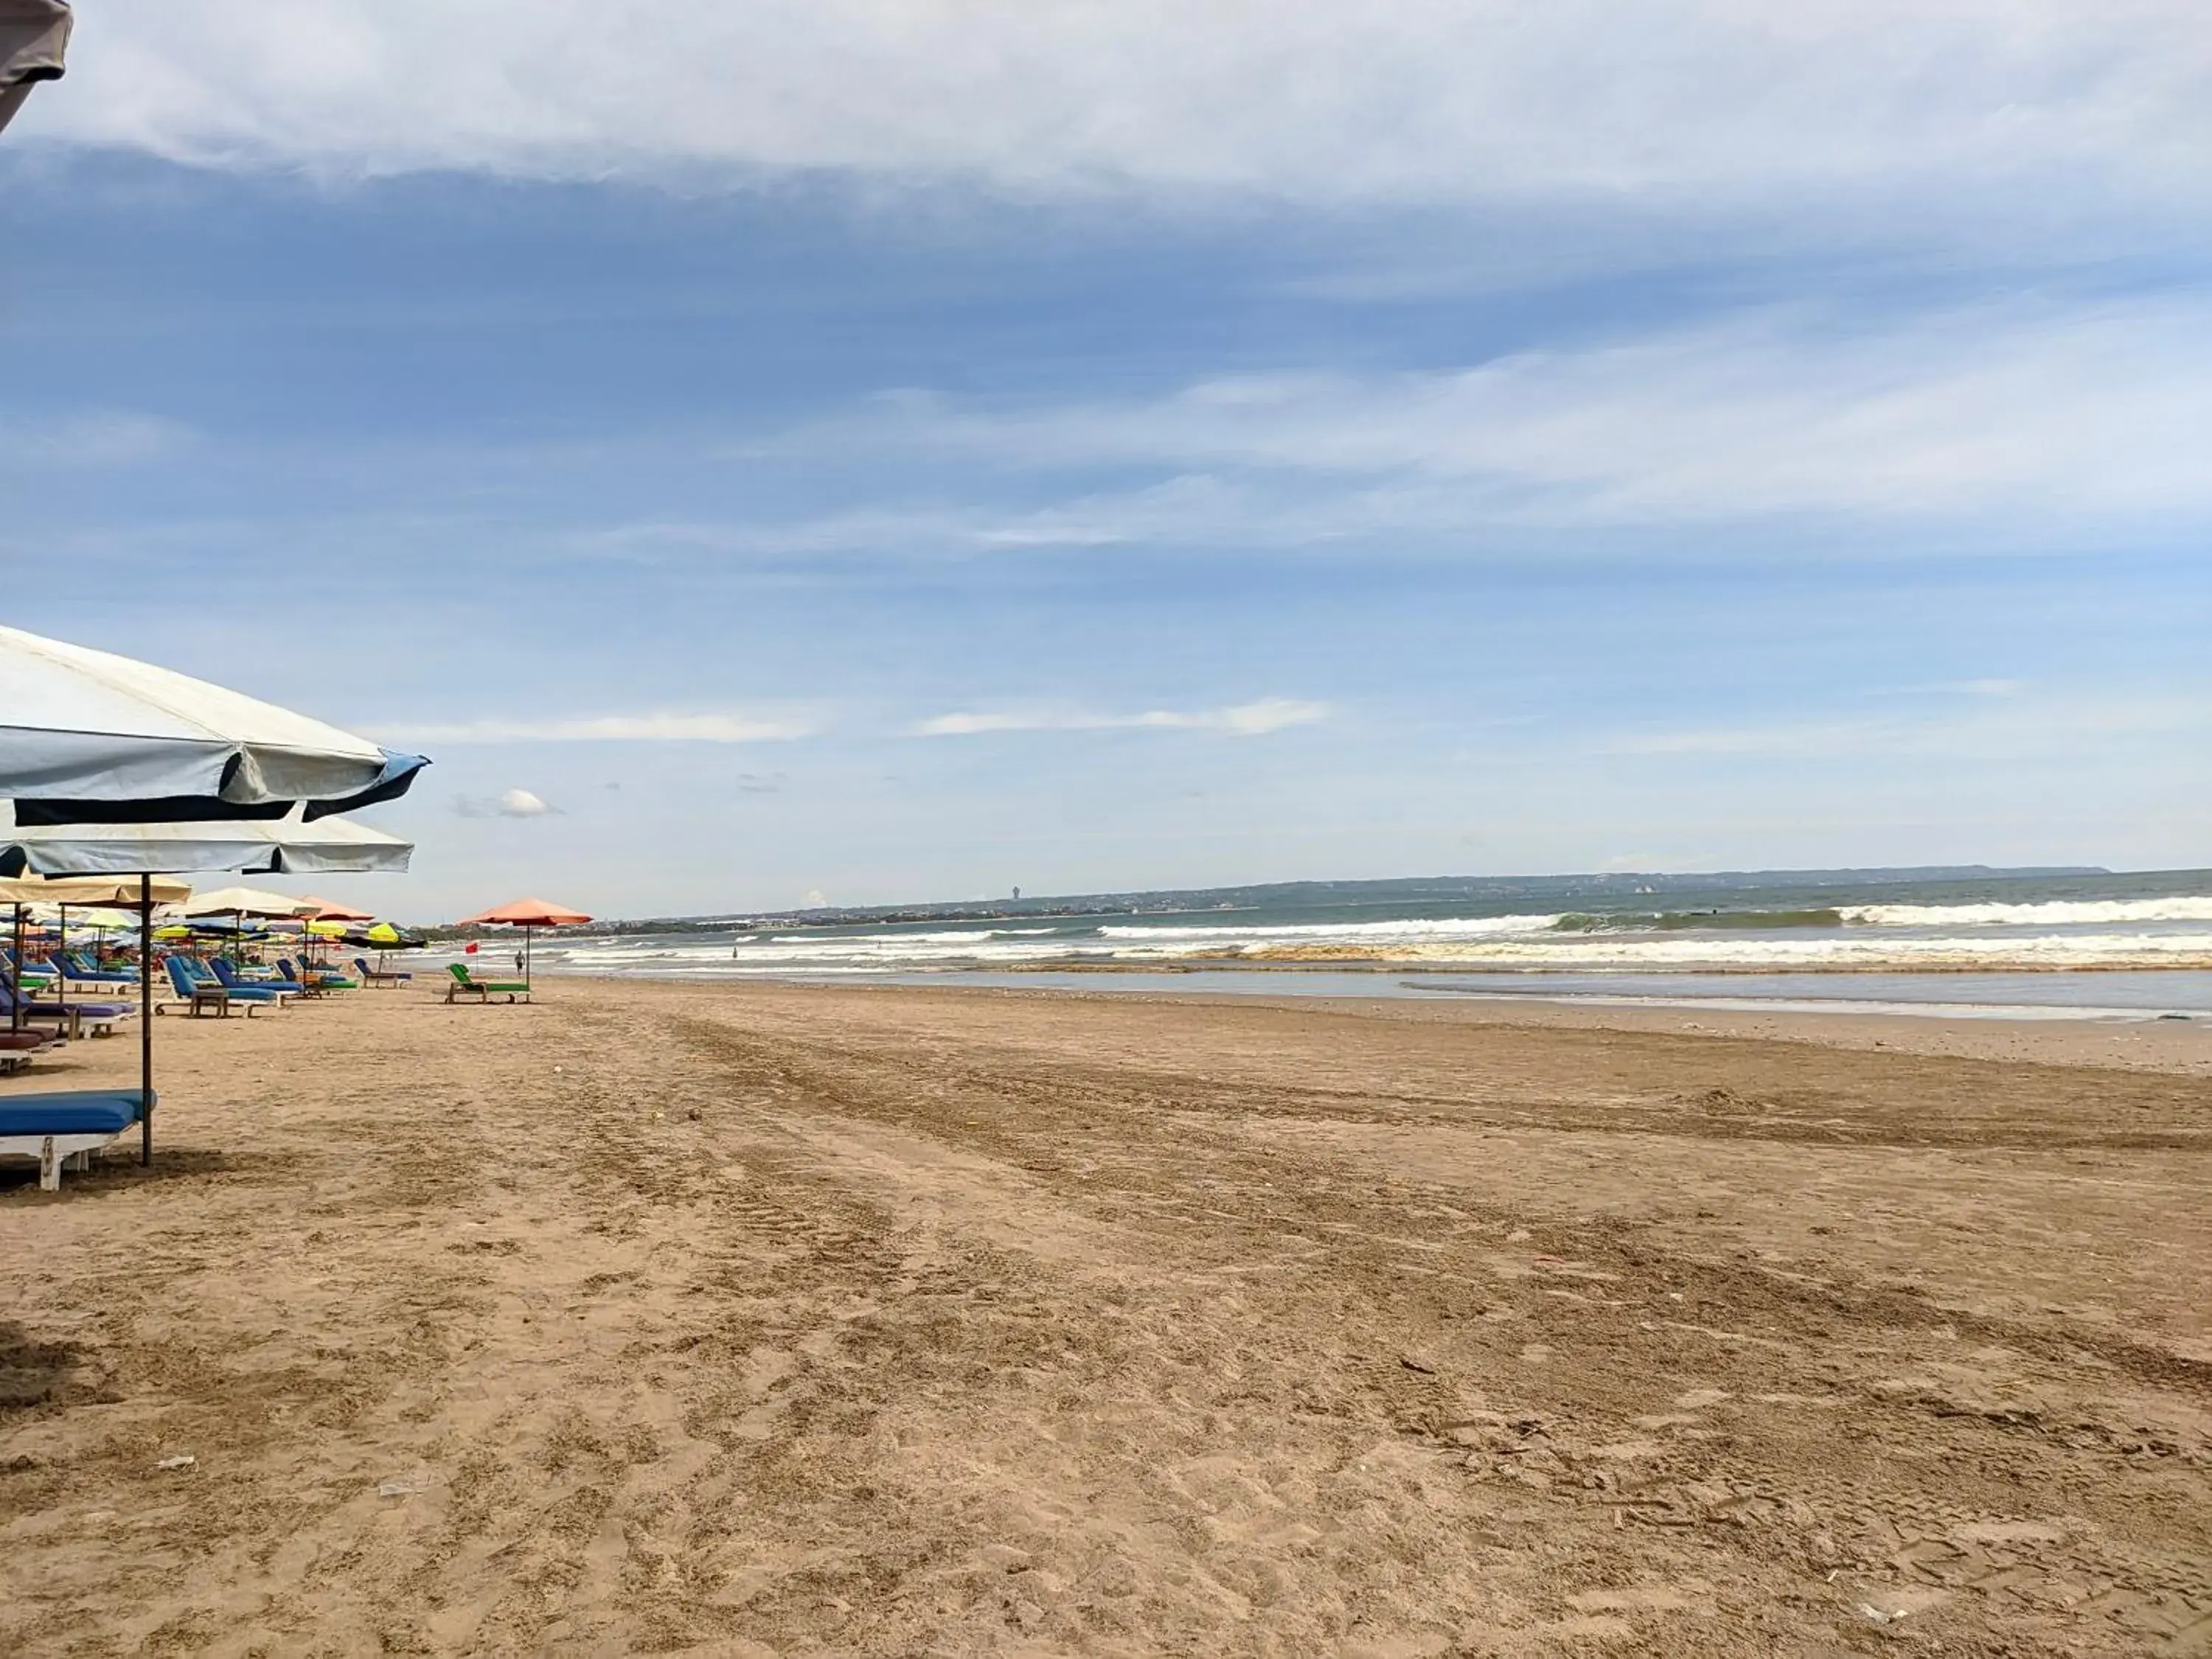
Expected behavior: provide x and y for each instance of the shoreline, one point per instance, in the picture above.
(2150, 1044)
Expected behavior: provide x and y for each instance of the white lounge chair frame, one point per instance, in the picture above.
(53, 1151)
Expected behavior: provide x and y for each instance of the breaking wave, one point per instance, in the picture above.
(1671, 921)
(2054, 912)
(1466, 927)
(2050, 935)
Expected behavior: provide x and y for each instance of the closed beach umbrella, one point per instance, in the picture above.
(529, 914)
(86, 736)
(34, 35)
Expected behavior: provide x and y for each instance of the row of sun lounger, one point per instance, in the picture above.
(68, 1017)
(63, 1128)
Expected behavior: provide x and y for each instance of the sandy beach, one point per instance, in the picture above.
(757, 1319)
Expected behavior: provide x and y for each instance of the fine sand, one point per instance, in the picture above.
(753, 1319)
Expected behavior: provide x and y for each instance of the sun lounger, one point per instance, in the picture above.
(65, 1125)
(80, 978)
(287, 977)
(97, 1018)
(317, 980)
(485, 989)
(18, 1048)
(243, 990)
(35, 975)
(373, 977)
(79, 966)
(200, 995)
(64, 1021)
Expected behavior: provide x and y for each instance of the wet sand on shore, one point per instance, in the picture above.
(744, 1320)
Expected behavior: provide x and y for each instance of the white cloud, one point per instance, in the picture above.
(1092, 520)
(610, 728)
(1984, 688)
(2018, 414)
(511, 804)
(1242, 720)
(1302, 98)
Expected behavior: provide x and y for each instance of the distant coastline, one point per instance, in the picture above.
(1555, 891)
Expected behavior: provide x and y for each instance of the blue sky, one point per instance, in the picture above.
(888, 452)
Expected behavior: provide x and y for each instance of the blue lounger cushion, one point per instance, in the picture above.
(70, 1112)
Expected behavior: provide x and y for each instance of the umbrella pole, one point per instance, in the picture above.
(145, 1019)
(16, 979)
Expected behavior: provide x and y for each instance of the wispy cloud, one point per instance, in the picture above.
(2009, 412)
(611, 728)
(2011, 426)
(1247, 720)
(1982, 688)
(1728, 99)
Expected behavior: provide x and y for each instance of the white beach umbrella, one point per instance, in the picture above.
(250, 901)
(251, 846)
(34, 35)
(87, 737)
(102, 891)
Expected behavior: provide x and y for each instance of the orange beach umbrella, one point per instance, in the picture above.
(525, 913)
(529, 914)
(326, 911)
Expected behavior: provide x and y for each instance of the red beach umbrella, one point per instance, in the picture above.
(529, 914)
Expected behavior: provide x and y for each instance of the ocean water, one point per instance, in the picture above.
(2113, 946)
